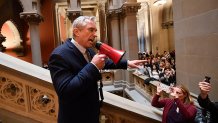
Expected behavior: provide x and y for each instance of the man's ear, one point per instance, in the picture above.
(76, 32)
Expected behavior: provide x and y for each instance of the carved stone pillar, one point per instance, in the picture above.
(114, 35)
(2, 39)
(72, 15)
(74, 9)
(122, 31)
(34, 19)
(129, 40)
(101, 9)
(129, 29)
(144, 15)
(114, 25)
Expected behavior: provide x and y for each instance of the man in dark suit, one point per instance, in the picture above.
(75, 78)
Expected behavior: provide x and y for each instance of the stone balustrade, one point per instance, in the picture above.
(26, 90)
(148, 90)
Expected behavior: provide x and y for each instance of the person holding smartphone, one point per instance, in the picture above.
(205, 102)
(179, 108)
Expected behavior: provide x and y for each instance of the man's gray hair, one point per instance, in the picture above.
(82, 21)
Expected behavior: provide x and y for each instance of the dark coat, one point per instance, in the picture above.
(75, 82)
(212, 107)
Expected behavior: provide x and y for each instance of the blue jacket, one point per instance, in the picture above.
(75, 82)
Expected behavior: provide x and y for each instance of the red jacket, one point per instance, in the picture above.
(187, 110)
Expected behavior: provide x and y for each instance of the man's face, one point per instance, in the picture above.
(86, 35)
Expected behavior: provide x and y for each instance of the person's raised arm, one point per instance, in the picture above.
(205, 88)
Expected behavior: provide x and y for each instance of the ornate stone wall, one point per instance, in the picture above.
(25, 97)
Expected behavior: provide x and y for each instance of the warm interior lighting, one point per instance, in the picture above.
(159, 2)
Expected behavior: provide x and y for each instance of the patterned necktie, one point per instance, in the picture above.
(88, 56)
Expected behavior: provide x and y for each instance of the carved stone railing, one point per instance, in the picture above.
(117, 109)
(27, 91)
(148, 90)
(107, 77)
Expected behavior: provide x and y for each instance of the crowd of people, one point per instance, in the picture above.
(159, 67)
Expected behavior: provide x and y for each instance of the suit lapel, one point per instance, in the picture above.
(76, 51)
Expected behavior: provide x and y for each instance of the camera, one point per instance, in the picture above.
(207, 79)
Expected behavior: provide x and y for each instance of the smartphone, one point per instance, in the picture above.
(207, 79)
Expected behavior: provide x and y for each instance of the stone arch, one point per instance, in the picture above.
(12, 10)
(13, 41)
(16, 42)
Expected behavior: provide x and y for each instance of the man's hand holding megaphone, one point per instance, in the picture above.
(99, 61)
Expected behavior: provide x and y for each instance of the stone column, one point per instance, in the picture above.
(123, 32)
(129, 21)
(148, 25)
(101, 9)
(114, 29)
(129, 34)
(74, 9)
(2, 39)
(34, 19)
(114, 36)
(113, 23)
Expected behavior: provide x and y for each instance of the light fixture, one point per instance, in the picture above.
(159, 2)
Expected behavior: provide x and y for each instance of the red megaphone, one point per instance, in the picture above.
(113, 54)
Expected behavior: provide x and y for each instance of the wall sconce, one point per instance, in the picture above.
(159, 2)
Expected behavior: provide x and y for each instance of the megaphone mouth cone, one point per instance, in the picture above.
(98, 44)
(120, 57)
(113, 54)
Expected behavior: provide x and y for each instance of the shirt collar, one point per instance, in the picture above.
(81, 48)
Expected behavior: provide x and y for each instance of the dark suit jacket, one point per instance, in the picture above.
(75, 82)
